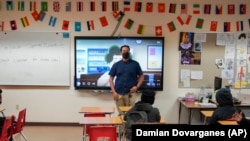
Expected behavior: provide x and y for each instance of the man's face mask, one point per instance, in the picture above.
(125, 55)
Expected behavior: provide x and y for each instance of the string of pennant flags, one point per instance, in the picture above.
(118, 13)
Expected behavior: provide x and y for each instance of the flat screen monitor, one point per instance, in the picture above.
(217, 83)
(94, 57)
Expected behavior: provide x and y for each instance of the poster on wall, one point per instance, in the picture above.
(186, 41)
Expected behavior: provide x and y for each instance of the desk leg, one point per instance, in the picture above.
(84, 136)
(2, 114)
(179, 113)
(189, 115)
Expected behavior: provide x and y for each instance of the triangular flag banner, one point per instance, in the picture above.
(243, 9)
(207, 8)
(68, 6)
(227, 26)
(79, 6)
(158, 30)
(103, 21)
(25, 21)
(13, 25)
(230, 9)
(115, 6)
(171, 26)
(184, 8)
(2, 26)
(129, 24)
(126, 6)
(149, 7)
(44, 6)
(138, 6)
(218, 9)
(65, 25)
(239, 26)
(35, 15)
(32, 5)
(140, 29)
(172, 8)
(196, 8)
(161, 7)
(20, 5)
(104, 5)
(213, 26)
(199, 23)
(52, 21)
(78, 27)
(180, 20)
(91, 25)
(188, 19)
(56, 6)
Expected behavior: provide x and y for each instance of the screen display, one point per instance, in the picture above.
(94, 56)
(217, 83)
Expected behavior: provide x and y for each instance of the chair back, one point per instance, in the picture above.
(107, 133)
(21, 120)
(7, 129)
(92, 115)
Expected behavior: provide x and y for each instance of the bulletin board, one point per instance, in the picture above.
(35, 58)
(210, 52)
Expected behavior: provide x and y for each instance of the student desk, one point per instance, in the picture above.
(228, 122)
(206, 114)
(99, 120)
(106, 110)
(124, 108)
(191, 106)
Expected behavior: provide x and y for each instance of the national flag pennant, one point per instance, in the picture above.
(230, 9)
(0, 5)
(118, 15)
(56, 6)
(65, 25)
(184, 8)
(172, 8)
(213, 25)
(188, 19)
(227, 26)
(35, 15)
(104, 21)
(207, 8)
(115, 6)
(138, 6)
(32, 5)
(104, 5)
(239, 26)
(42, 15)
(158, 30)
(199, 23)
(92, 6)
(196, 8)
(161, 7)
(13, 25)
(249, 23)
(68, 6)
(149, 7)
(218, 9)
(52, 21)
(79, 6)
(90, 25)
(180, 20)
(44, 6)
(140, 29)
(171, 26)
(243, 9)
(25, 21)
(2, 26)
(21, 5)
(78, 26)
(9, 5)
(126, 4)
(129, 23)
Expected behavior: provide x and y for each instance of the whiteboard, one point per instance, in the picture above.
(34, 58)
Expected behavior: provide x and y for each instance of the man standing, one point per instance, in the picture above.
(129, 78)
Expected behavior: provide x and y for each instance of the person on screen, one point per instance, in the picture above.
(129, 78)
(111, 57)
(187, 57)
(225, 108)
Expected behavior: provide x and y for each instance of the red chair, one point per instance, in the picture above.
(20, 123)
(102, 132)
(7, 130)
(92, 115)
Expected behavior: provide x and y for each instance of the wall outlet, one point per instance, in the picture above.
(17, 107)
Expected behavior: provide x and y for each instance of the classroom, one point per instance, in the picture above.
(42, 77)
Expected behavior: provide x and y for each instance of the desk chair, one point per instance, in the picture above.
(92, 115)
(7, 130)
(19, 125)
(103, 133)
